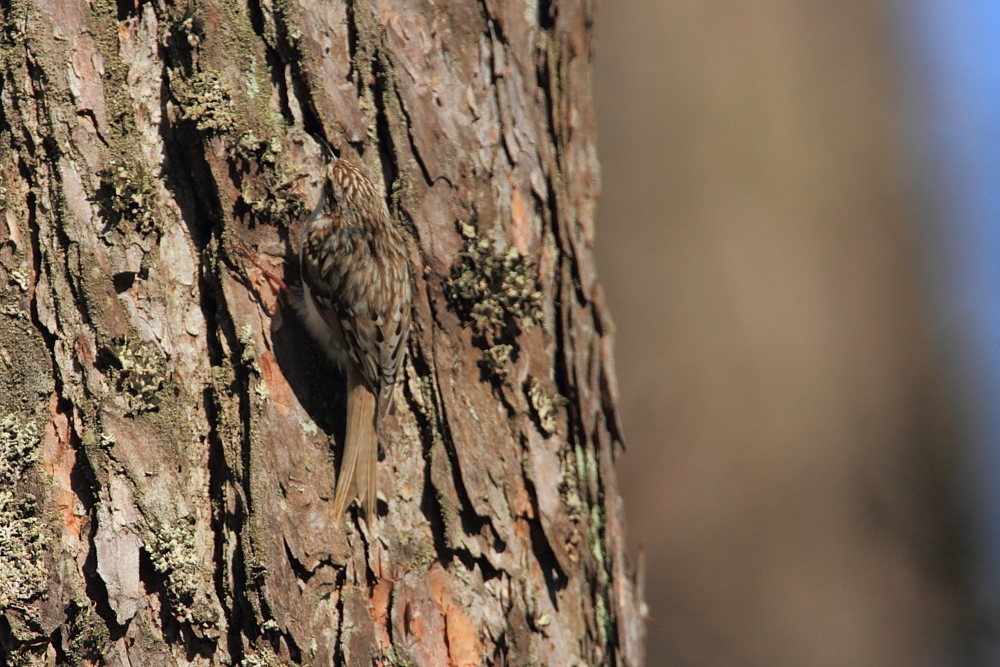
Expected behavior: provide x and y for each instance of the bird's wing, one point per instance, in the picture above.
(393, 349)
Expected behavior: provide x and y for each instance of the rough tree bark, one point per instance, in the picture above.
(169, 432)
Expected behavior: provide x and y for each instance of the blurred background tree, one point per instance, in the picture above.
(794, 458)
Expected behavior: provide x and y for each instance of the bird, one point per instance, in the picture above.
(355, 301)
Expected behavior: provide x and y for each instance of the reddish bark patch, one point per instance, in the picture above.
(280, 391)
(58, 459)
(465, 649)
(381, 596)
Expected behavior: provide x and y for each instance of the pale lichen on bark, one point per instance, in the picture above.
(23, 539)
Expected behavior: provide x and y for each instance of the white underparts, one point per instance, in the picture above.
(331, 341)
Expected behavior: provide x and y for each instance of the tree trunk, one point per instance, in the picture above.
(170, 433)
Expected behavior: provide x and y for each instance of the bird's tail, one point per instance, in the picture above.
(358, 468)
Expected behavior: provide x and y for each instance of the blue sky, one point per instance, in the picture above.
(954, 48)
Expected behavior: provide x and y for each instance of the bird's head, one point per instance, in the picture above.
(349, 187)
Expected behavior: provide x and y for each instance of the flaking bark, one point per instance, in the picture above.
(170, 432)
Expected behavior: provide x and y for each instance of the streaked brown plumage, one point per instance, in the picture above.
(356, 303)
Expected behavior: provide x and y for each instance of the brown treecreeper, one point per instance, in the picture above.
(356, 303)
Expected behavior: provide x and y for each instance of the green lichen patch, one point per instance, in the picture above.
(138, 372)
(497, 293)
(495, 359)
(26, 655)
(266, 180)
(89, 638)
(19, 277)
(205, 100)
(569, 485)
(277, 203)
(248, 348)
(545, 404)
(451, 516)
(595, 532)
(22, 539)
(104, 27)
(417, 553)
(271, 196)
(604, 627)
(126, 195)
(220, 85)
(572, 477)
(174, 553)
(261, 658)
